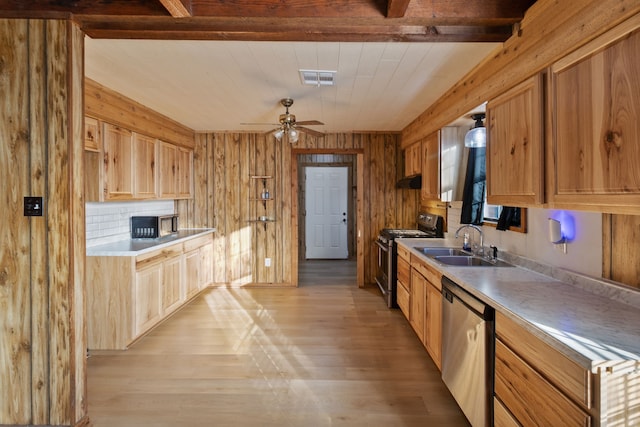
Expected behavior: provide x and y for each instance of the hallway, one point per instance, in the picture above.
(324, 354)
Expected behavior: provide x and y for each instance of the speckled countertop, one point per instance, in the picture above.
(584, 321)
(134, 247)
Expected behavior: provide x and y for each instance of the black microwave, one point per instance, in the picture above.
(151, 227)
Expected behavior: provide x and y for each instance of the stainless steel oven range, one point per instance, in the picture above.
(428, 226)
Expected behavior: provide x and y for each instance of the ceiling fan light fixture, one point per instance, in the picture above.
(293, 135)
(278, 134)
(477, 136)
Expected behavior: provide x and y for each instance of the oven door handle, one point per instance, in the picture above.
(383, 247)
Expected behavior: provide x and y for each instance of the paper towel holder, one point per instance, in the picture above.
(555, 234)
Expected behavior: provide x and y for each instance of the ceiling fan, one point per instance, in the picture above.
(290, 127)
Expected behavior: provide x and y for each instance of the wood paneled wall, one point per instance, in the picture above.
(42, 332)
(223, 165)
(620, 251)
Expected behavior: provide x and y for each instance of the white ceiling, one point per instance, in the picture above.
(218, 85)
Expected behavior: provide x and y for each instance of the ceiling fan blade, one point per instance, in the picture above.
(309, 131)
(309, 123)
(260, 124)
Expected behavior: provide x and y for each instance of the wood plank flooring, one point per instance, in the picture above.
(324, 354)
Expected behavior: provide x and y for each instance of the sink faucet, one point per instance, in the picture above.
(474, 227)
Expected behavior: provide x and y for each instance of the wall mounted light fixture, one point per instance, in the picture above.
(556, 236)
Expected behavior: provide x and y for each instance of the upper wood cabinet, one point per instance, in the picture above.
(168, 162)
(132, 166)
(176, 171)
(185, 173)
(118, 163)
(145, 170)
(92, 138)
(413, 160)
(515, 160)
(595, 140)
(431, 167)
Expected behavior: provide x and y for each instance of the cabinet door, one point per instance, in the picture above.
(145, 171)
(118, 163)
(168, 172)
(147, 287)
(403, 298)
(172, 284)
(433, 324)
(92, 138)
(206, 265)
(418, 298)
(431, 167)
(413, 159)
(515, 158)
(185, 173)
(193, 272)
(596, 126)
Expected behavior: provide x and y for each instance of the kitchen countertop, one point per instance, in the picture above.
(135, 247)
(589, 327)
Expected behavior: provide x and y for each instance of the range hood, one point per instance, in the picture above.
(413, 182)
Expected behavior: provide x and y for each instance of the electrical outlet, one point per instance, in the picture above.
(267, 262)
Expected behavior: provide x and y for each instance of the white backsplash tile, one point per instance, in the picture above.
(109, 222)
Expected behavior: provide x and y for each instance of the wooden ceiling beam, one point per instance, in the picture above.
(397, 8)
(275, 20)
(178, 8)
(439, 12)
(301, 29)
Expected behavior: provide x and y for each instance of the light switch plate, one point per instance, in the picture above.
(33, 206)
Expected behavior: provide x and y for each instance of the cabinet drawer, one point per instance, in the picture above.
(501, 416)
(150, 258)
(403, 298)
(404, 271)
(196, 242)
(431, 274)
(404, 253)
(531, 398)
(568, 376)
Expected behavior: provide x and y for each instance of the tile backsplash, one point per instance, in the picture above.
(109, 222)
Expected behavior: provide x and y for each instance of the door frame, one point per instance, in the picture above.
(359, 207)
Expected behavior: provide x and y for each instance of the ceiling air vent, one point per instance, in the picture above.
(317, 77)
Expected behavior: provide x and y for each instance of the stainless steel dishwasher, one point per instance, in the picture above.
(467, 352)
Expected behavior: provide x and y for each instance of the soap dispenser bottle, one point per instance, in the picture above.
(465, 243)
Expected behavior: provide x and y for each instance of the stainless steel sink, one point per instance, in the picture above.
(469, 261)
(435, 251)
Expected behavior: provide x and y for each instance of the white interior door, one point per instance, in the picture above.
(326, 212)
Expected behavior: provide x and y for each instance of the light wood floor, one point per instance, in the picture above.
(324, 354)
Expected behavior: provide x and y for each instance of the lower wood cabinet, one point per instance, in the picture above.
(128, 295)
(173, 284)
(433, 322)
(536, 384)
(403, 291)
(420, 299)
(501, 416)
(147, 298)
(199, 264)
